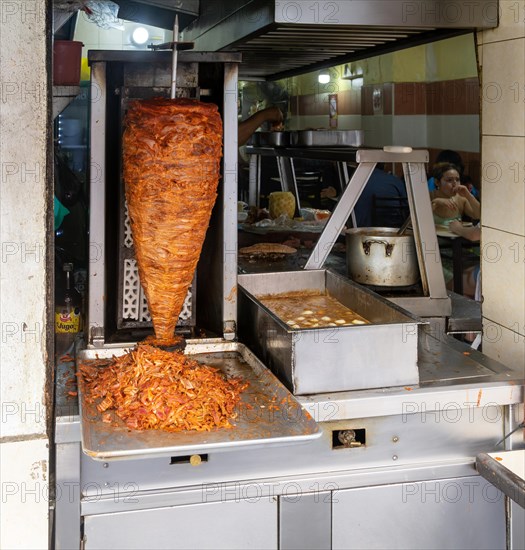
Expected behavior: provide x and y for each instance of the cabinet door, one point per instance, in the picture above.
(228, 524)
(462, 513)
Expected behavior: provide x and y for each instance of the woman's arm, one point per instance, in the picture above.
(472, 233)
(247, 127)
(472, 207)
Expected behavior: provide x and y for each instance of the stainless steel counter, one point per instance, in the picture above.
(415, 444)
(506, 471)
(449, 371)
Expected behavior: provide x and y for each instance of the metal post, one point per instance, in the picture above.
(288, 180)
(230, 196)
(97, 205)
(340, 215)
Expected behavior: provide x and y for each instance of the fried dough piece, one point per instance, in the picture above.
(267, 248)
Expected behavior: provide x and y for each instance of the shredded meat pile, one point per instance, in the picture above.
(149, 388)
(171, 166)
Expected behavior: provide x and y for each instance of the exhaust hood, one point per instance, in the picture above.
(281, 38)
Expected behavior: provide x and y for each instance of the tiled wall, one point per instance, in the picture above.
(312, 111)
(502, 56)
(433, 115)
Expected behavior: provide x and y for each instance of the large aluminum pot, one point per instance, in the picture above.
(378, 256)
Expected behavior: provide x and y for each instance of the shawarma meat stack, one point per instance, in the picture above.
(171, 165)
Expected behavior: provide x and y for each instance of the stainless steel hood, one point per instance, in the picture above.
(160, 13)
(280, 38)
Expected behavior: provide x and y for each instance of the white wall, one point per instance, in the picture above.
(502, 57)
(24, 202)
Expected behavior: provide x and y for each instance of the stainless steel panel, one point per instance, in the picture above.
(229, 525)
(517, 527)
(458, 513)
(305, 521)
(270, 487)
(415, 447)
(330, 359)
(257, 422)
(67, 496)
(148, 56)
(281, 39)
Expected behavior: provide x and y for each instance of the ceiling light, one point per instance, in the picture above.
(140, 36)
(323, 78)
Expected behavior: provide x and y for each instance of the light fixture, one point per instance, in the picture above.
(140, 36)
(324, 77)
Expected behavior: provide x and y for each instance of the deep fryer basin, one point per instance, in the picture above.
(319, 360)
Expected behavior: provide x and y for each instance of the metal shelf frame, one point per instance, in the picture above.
(435, 302)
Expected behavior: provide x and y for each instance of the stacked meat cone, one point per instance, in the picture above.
(171, 154)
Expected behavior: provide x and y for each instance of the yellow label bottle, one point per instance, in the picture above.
(68, 317)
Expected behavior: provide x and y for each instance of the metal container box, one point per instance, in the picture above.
(271, 139)
(327, 138)
(317, 360)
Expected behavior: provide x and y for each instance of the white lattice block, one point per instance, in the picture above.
(128, 239)
(130, 290)
(135, 305)
(185, 314)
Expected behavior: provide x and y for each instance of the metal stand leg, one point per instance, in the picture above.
(340, 215)
(435, 300)
(288, 180)
(344, 179)
(457, 262)
(254, 182)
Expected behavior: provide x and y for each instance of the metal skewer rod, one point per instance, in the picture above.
(174, 58)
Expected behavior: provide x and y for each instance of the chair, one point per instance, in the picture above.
(309, 185)
(389, 211)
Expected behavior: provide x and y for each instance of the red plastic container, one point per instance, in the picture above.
(67, 57)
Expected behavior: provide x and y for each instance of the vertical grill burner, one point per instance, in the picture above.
(117, 309)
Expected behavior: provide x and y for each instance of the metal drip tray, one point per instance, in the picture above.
(319, 360)
(268, 414)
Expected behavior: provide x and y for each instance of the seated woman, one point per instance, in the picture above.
(451, 200)
(452, 157)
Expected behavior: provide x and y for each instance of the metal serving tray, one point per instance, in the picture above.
(327, 138)
(319, 360)
(271, 139)
(261, 424)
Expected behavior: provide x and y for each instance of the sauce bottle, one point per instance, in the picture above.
(68, 314)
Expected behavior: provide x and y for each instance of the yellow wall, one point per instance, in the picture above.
(449, 59)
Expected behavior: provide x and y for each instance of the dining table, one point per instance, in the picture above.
(462, 253)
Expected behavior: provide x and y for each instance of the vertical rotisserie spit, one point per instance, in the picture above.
(171, 166)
